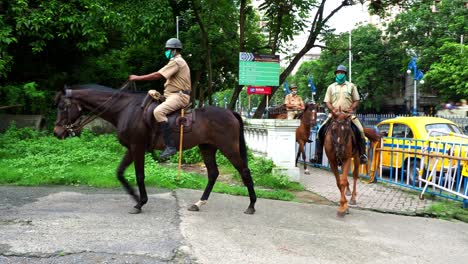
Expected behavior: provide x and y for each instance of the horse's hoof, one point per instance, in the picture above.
(135, 211)
(306, 172)
(193, 208)
(250, 211)
(352, 202)
(348, 193)
(340, 214)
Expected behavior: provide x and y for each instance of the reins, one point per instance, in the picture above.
(80, 123)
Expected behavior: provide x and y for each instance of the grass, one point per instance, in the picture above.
(30, 158)
(448, 210)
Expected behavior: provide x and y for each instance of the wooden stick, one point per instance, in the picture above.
(181, 138)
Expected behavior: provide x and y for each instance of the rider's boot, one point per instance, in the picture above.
(362, 152)
(168, 141)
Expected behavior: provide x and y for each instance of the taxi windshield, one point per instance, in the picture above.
(443, 128)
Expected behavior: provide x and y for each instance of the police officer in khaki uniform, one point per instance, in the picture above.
(293, 102)
(343, 94)
(176, 90)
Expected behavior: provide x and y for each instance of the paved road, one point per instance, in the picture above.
(87, 225)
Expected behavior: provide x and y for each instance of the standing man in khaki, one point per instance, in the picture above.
(176, 90)
(293, 102)
(342, 94)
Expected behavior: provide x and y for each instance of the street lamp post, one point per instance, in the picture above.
(418, 75)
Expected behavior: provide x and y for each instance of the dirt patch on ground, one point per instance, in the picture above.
(310, 197)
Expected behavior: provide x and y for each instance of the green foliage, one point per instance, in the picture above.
(189, 156)
(450, 74)
(424, 33)
(27, 95)
(376, 67)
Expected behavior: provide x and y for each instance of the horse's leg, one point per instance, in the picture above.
(302, 149)
(138, 154)
(126, 161)
(343, 209)
(241, 165)
(209, 157)
(298, 153)
(352, 201)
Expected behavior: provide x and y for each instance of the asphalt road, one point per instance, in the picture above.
(88, 225)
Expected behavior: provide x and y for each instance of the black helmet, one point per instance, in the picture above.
(173, 43)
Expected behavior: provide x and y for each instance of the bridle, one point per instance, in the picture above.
(72, 127)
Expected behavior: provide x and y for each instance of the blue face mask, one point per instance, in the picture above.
(340, 78)
(168, 54)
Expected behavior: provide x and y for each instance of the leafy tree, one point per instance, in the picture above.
(450, 74)
(423, 30)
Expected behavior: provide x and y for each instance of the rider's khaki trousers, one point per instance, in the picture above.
(173, 102)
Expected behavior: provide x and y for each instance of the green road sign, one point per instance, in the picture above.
(258, 70)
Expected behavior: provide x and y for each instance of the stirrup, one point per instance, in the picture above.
(363, 159)
(169, 151)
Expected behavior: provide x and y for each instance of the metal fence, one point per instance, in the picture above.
(370, 120)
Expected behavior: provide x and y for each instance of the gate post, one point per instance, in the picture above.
(278, 137)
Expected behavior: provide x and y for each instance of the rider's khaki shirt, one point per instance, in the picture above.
(295, 100)
(177, 75)
(342, 95)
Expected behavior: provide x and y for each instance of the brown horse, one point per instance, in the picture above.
(308, 119)
(211, 129)
(341, 147)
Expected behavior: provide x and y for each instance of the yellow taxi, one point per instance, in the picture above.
(429, 143)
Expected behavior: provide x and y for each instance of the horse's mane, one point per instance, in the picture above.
(98, 87)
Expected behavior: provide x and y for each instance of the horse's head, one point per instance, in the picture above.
(310, 114)
(341, 133)
(68, 112)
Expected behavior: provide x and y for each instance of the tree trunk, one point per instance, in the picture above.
(206, 46)
(238, 89)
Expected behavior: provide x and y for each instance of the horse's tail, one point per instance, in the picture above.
(372, 134)
(242, 144)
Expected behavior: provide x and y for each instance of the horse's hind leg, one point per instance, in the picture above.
(124, 163)
(302, 149)
(209, 157)
(241, 166)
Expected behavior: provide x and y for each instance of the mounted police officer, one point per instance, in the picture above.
(176, 90)
(342, 94)
(293, 102)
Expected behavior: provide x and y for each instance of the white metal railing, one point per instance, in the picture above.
(452, 174)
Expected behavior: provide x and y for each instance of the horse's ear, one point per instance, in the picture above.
(67, 91)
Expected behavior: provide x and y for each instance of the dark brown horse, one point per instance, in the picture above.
(211, 129)
(308, 120)
(341, 147)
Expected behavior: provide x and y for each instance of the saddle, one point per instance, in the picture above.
(174, 119)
